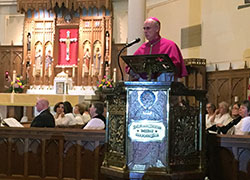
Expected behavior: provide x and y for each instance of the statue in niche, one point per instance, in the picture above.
(28, 42)
(38, 60)
(97, 60)
(86, 60)
(48, 59)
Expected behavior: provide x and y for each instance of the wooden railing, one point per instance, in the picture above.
(51, 153)
(228, 157)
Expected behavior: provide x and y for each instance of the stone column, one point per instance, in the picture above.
(136, 18)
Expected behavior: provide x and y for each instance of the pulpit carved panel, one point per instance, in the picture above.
(184, 133)
(163, 128)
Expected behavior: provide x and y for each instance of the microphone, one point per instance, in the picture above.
(126, 46)
(133, 42)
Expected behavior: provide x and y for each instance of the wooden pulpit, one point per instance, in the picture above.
(155, 129)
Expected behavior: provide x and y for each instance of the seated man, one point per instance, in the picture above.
(45, 118)
(97, 120)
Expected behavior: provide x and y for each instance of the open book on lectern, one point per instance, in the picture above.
(150, 64)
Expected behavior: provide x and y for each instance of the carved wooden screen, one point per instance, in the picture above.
(38, 44)
(44, 33)
(41, 40)
(94, 48)
(226, 85)
(10, 59)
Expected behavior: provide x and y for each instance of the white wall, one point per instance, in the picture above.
(11, 23)
(225, 29)
(120, 21)
(225, 32)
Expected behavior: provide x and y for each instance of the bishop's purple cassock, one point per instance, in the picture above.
(163, 46)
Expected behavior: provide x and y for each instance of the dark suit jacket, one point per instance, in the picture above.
(45, 119)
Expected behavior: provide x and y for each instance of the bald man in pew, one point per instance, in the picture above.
(44, 118)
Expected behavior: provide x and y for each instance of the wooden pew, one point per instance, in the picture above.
(228, 157)
(51, 153)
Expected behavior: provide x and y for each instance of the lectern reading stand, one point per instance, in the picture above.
(150, 64)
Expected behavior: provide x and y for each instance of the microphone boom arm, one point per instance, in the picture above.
(126, 46)
(118, 60)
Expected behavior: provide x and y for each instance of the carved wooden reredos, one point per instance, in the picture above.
(44, 20)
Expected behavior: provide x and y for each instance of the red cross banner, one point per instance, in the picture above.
(68, 46)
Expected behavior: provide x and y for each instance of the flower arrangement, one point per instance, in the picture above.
(106, 82)
(17, 85)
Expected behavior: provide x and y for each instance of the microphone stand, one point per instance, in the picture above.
(118, 60)
(126, 46)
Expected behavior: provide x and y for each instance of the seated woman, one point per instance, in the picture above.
(234, 112)
(236, 126)
(98, 121)
(85, 116)
(246, 125)
(210, 114)
(221, 115)
(67, 118)
(244, 112)
(79, 109)
(58, 109)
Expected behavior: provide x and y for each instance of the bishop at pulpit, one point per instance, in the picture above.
(155, 128)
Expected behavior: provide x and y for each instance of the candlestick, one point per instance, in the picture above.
(50, 73)
(67, 83)
(83, 70)
(41, 72)
(14, 80)
(114, 75)
(92, 69)
(14, 75)
(67, 74)
(34, 70)
(73, 71)
(100, 70)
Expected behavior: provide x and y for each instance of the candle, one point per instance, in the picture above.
(236, 99)
(100, 70)
(14, 76)
(114, 75)
(92, 69)
(34, 70)
(41, 72)
(107, 44)
(67, 83)
(83, 70)
(67, 74)
(49, 70)
(73, 71)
